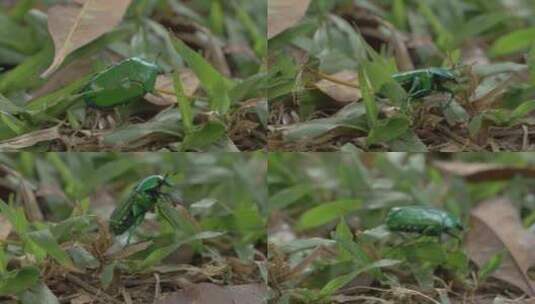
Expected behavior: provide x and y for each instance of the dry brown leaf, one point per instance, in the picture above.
(31, 207)
(5, 228)
(481, 172)
(127, 251)
(450, 147)
(164, 83)
(403, 57)
(76, 24)
(30, 139)
(495, 227)
(339, 92)
(207, 293)
(283, 14)
(82, 299)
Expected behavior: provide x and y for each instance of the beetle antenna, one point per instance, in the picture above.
(165, 182)
(169, 199)
(158, 56)
(160, 53)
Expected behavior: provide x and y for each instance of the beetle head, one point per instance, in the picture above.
(164, 181)
(453, 223)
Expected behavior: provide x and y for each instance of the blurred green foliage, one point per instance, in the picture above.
(225, 192)
(344, 197)
(174, 34)
(374, 39)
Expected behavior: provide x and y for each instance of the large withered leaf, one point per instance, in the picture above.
(284, 14)
(207, 293)
(495, 227)
(75, 25)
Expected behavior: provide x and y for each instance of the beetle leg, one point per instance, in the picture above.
(448, 103)
(452, 235)
(414, 86)
(130, 231)
(422, 92)
(450, 99)
(95, 123)
(129, 237)
(137, 222)
(429, 231)
(136, 211)
(167, 197)
(403, 236)
(412, 91)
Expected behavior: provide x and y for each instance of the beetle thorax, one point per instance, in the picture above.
(150, 183)
(442, 74)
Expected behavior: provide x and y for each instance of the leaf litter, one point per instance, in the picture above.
(219, 62)
(494, 101)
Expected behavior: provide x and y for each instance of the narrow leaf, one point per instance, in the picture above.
(45, 240)
(215, 84)
(184, 103)
(19, 280)
(327, 212)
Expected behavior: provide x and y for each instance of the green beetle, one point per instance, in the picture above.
(131, 212)
(424, 220)
(424, 82)
(131, 78)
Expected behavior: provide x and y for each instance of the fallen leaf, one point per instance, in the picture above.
(403, 57)
(351, 117)
(339, 92)
(166, 91)
(5, 228)
(82, 299)
(207, 293)
(166, 122)
(26, 190)
(76, 24)
(283, 14)
(31, 206)
(482, 172)
(496, 227)
(30, 139)
(127, 251)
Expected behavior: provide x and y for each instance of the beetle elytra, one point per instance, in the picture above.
(131, 212)
(424, 220)
(120, 83)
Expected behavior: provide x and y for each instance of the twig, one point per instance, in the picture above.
(126, 296)
(352, 299)
(525, 138)
(416, 293)
(511, 132)
(459, 139)
(97, 292)
(334, 79)
(157, 288)
(316, 253)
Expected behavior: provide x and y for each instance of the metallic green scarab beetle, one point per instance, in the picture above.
(120, 83)
(424, 82)
(424, 220)
(131, 212)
